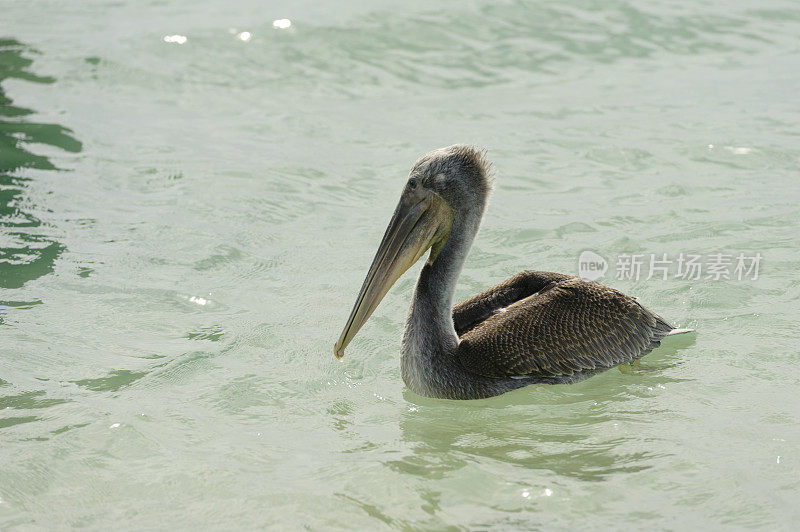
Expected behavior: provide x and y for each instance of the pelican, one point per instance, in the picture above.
(536, 327)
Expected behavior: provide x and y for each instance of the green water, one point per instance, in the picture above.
(184, 228)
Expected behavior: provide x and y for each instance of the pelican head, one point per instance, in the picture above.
(445, 186)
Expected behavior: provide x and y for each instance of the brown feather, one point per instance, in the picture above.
(552, 325)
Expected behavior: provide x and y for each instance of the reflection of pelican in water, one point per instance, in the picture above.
(536, 327)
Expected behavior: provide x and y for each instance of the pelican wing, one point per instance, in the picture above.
(571, 326)
(475, 310)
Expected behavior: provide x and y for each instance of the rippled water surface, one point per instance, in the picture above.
(184, 226)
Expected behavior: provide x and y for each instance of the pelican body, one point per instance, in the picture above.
(536, 327)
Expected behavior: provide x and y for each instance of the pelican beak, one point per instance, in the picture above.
(417, 224)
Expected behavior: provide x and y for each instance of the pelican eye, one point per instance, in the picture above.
(413, 184)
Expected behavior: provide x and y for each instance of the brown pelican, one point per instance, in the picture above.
(536, 327)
